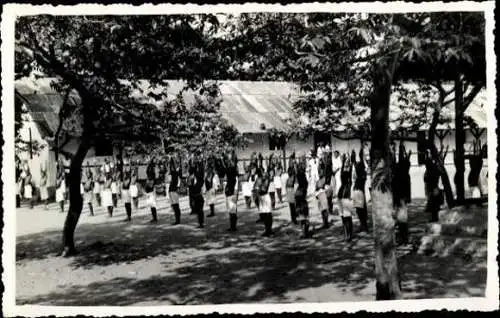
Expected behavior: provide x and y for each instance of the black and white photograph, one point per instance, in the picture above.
(249, 158)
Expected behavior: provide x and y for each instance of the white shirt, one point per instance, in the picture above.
(336, 163)
(320, 151)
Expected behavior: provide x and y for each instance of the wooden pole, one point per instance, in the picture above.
(31, 145)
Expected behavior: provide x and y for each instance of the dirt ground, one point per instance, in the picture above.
(139, 263)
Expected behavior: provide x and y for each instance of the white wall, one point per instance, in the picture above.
(261, 144)
(46, 155)
(42, 156)
(258, 143)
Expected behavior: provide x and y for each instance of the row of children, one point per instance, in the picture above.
(332, 176)
(105, 186)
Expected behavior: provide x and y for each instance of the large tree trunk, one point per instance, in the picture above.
(383, 214)
(75, 197)
(459, 143)
(75, 177)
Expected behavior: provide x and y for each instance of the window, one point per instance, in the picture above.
(321, 139)
(421, 147)
(103, 147)
(275, 143)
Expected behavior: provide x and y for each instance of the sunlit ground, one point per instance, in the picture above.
(142, 264)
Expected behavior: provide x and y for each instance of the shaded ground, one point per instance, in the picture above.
(142, 264)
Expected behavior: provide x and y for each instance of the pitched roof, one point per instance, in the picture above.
(246, 105)
(43, 102)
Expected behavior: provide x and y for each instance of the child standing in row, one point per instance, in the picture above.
(246, 187)
(301, 198)
(114, 187)
(134, 190)
(126, 195)
(61, 190)
(344, 196)
(175, 173)
(321, 197)
(44, 194)
(277, 181)
(291, 181)
(87, 188)
(97, 186)
(265, 209)
(209, 186)
(107, 194)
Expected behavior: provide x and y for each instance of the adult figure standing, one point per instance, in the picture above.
(231, 189)
(265, 210)
(344, 196)
(173, 188)
(195, 189)
(358, 193)
(327, 162)
(321, 196)
(290, 184)
(44, 193)
(126, 195)
(257, 181)
(209, 186)
(301, 198)
(336, 180)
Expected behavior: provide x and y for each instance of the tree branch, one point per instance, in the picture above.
(469, 98)
(61, 119)
(42, 57)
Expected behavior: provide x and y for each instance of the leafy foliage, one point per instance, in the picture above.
(104, 56)
(331, 55)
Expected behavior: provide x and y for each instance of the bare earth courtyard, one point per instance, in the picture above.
(139, 263)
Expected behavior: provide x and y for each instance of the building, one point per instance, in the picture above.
(252, 107)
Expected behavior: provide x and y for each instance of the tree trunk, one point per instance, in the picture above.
(75, 176)
(75, 197)
(284, 158)
(448, 191)
(459, 143)
(383, 214)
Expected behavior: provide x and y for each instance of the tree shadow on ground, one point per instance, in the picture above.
(237, 267)
(458, 276)
(247, 272)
